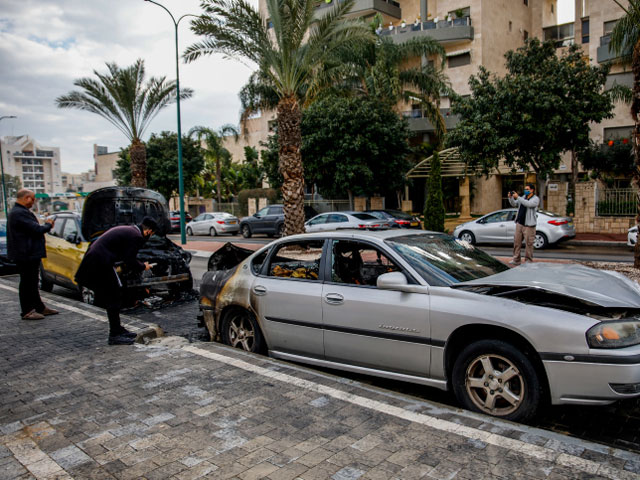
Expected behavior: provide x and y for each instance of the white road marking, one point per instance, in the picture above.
(535, 451)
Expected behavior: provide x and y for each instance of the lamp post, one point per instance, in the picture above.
(4, 188)
(183, 238)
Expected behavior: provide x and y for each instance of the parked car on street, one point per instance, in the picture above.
(500, 227)
(7, 267)
(397, 218)
(213, 223)
(174, 216)
(108, 207)
(431, 309)
(344, 220)
(269, 220)
(632, 236)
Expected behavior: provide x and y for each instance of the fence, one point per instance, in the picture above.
(616, 202)
(232, 208)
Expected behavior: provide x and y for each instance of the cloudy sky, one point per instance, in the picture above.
(46, 44)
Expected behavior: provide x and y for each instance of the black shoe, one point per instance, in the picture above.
(123, 332)
(120, 340)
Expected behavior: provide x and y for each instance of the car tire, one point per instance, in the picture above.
(44, 284)
(467, 236)
(190, 232)
(540, 241)
(246, 231)
(212, 232)
(280, 230)
(495, 378)
(88, 296)
(240, 330)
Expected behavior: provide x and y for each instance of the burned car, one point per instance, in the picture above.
(431, 309)
(108, 207)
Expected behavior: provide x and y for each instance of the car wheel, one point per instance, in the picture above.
(467, 236)
(212, 232)
(281, 230)
(540, 241)
(189, 232)
(246, 231)
(88, 296)
(496, 378)
(240, 330)
(43, 283)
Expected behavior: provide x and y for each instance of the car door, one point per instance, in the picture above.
(287, 297)
(316, 223)
(259, 220)
(336, 221)
(367, 326)
(511, 225)
(196, 224)
(72, 251)
(206, 224)
(493, 228)
(274, 215)
(52, 263)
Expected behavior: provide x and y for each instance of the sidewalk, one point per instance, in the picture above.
(73, 407)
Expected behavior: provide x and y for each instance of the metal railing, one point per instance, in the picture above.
(562, 35)
(331, 3)
(605, 40)
(422, 26)
(231, 207)
(322, 206)
(616, 202)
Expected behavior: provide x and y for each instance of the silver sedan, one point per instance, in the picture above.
(213, 223)
(431, 309)
(344, 220)
(500, 226)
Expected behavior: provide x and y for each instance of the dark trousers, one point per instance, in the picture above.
(110, 298)
(29, 294)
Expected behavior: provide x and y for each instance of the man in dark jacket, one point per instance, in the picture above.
(97, 271)
(26, 247)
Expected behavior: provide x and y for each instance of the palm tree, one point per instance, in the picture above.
(122, 97)
(214, 151)
(289, 50)
(625, 42)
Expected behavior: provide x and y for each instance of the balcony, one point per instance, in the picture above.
(562, 35)
(418, 123)
(366, 8)
(603, 54)
(443, 31)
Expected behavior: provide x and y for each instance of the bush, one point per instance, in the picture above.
(243, 197)
(434, 207)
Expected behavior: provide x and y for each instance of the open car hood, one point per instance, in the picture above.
(112, 206)
(598, 287)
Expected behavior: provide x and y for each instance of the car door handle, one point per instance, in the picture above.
(334, 298)
(259, 290)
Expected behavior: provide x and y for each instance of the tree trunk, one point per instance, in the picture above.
(290, 140)
(574, 180)
(635, 110)
(138, 153)
(218, 180)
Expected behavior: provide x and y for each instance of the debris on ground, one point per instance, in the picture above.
(626, 269)
(162, 300)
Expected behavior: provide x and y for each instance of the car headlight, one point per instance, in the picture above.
(617, 334)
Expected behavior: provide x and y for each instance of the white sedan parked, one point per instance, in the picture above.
(343, 220)
(213, 223)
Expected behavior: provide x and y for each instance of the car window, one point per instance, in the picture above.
(497, 217)
(364, 216)
(399, 214)
(512, 215)
(357, 263)
(337, 218)
(379, 215)
(208, 217)
(56, 231)
(262, 212)
(276, 211)
(257, 262)
(199, 218)
(318, 220)
(549, 214)
(300, 260)
(70, 228)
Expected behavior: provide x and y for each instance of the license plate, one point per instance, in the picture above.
(570, 224)
(414, 224)
(232, 222)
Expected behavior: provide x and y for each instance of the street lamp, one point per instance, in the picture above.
(183, 238)
(4, 188)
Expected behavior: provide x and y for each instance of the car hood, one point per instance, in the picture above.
(598, 287)
(112, 206)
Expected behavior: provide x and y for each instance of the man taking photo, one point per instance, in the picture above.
(526, 221)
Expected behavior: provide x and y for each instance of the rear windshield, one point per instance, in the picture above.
(364, 216)
(550, 214)
(399, 214)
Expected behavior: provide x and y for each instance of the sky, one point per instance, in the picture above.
(46, 44)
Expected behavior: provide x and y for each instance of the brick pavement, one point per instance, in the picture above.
(73, 407)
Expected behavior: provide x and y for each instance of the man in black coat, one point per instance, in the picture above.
(26, 248)
(97, 271)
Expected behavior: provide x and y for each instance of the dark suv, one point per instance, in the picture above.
(269, 220)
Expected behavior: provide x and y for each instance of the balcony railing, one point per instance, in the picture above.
(603, 53)
(331, 3)
(443, 31)
(419, 123)
(562, 35)
(388, 8)
(423, 26)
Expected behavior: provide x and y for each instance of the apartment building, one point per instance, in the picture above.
(37, 166)
(478, 33)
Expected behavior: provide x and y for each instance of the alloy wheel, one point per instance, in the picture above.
(241, 333)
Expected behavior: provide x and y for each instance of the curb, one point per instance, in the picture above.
(147, 334)
(596, 243)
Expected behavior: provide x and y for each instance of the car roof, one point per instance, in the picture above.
(355, 233)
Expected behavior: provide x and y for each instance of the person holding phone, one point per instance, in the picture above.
(526, 221)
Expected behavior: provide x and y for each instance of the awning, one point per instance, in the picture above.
(41, 195)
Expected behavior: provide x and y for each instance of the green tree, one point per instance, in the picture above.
(122, 97)
(162, 161)
(289, 46)
(271, 161)
(625, 41)
(609, 160)
(370, 155)
(434, 205)
(540, 108)
(251, 171)
(214, 150)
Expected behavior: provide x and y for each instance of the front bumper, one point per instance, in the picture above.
(146, 282)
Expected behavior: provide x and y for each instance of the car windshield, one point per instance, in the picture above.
(400, 215)
(364, 216)
(443, 260)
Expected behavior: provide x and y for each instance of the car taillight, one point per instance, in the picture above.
(375, 226)
(362, 226)
(221, 222)
(558, 222)
(402, 222)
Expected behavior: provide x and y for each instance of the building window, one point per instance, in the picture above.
(526, 2)
(614, 133)
(510, 25)
(459, 60)
(608, 26)
(585, 30)
(552, 8)
(525, 35)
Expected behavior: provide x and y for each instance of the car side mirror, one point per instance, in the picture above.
(482, 220)
(71, 238)
(398, 281)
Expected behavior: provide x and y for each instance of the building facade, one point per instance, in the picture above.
(37, 166)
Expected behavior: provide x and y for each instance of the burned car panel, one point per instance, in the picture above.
(447, 300)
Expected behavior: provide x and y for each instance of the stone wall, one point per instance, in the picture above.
(557, 199)
(585, 219)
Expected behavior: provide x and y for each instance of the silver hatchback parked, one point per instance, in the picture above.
(213, 223)
(500, 226)
(431, 309)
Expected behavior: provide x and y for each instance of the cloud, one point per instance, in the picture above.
(46, 44)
